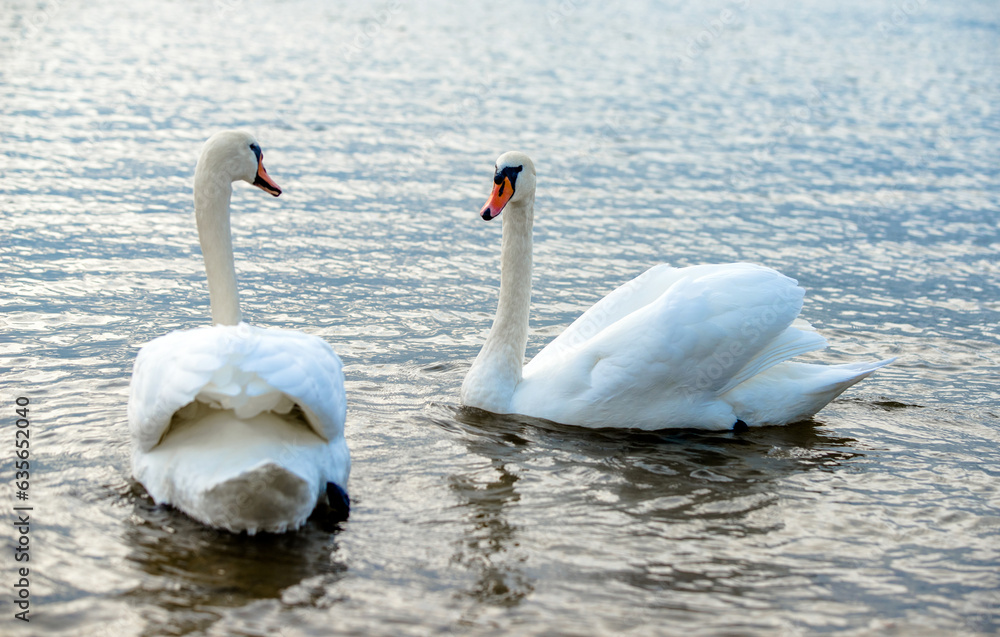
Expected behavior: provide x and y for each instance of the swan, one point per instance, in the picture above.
(239, 427)
(705, 346)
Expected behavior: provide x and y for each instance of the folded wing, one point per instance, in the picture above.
(662, 349)
(243, 368)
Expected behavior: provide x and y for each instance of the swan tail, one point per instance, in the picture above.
(268, 498)
(791, 391)
(265, 473)
(338, 504)
(793, 341)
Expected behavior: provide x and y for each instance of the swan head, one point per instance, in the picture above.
(513, 181)
(236, 156)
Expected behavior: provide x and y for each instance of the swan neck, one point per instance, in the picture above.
(494, 375)
(211, 208)
(511, 323)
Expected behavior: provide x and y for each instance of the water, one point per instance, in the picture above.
(851, 145)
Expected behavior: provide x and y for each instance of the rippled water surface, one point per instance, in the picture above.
(851, 145)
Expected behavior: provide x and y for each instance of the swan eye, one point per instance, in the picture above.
(255, 147)
(507, 172)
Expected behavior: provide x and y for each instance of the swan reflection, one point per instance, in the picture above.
(192, 569)
(599, 494)
(490, 546)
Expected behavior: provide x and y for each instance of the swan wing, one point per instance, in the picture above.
(624, 300)
(238, 367)
(792, 391)
(691, 335)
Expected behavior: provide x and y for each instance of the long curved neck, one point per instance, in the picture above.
(211, 210)
(497, 370)
(510, 327)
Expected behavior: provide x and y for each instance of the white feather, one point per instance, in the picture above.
(212, 411)
(228, 434)
(703, 346)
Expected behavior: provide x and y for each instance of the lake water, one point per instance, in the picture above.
(851, 145)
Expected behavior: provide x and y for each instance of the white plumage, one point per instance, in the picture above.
(704, 346)
(242, 428)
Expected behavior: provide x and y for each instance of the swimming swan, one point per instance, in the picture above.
(242, 428)
(704, 346)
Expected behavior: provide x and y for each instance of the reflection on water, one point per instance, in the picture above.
(200, 570)
(701, 491)
(490, 546)
(859, 160)
(648, 465)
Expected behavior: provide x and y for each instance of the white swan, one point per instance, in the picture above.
(703, 346)
(242, 428)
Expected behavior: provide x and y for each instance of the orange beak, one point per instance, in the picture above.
(502, 192)
(264, 181)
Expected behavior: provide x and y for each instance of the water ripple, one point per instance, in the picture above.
(852, 149)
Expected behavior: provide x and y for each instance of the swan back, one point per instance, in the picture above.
(662, 348)
(246, 369)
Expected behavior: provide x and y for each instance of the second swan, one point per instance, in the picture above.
(705, 346)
